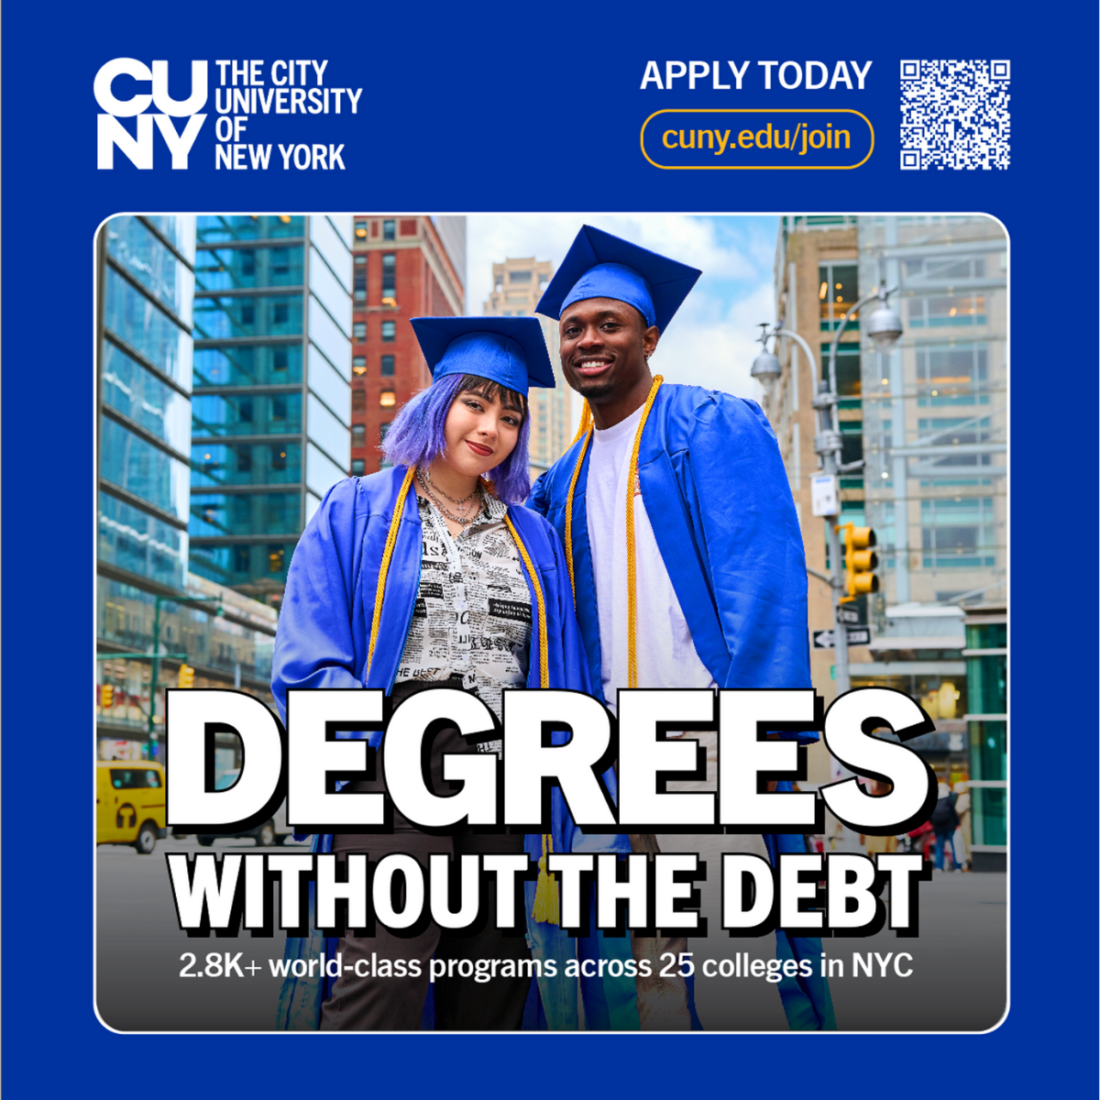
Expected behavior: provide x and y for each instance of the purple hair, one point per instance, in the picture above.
(416, 435)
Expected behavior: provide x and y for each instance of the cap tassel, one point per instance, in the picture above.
(546, 892)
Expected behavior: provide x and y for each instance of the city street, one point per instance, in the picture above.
(958, 962)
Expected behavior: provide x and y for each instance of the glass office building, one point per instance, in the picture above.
(924, 429)
(271, 408)
(147, 601)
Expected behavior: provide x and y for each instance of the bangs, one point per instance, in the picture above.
(493, 391)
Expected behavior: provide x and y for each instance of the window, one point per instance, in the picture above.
(958, 533)
(279, 359)
(131, 779)
(359, 400)
(358, 364)
(389, 277)
(951, 310)
(953, 431)
(851, 438)
(361, 231)
(838, 292)
(387, 366)
(848, 378)
(389, 229)
(951, 374)
(360, 281)
(278, 408)
(359, 435)
(242, 559)
(519, 276)
(358, 467)
(276, 555)
(387, 399)
(278, 457)
(244, 460)
(359, 330)
(389, 331)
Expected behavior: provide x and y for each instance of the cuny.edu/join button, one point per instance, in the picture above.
(747, 138)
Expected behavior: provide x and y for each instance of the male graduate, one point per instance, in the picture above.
(696, 577)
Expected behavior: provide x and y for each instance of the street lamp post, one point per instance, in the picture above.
(884, 327)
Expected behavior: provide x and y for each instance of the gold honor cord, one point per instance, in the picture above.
(631, 588)
(585, 431)
(387, 555)
(544, 664)
(546, 904)
(631, 569)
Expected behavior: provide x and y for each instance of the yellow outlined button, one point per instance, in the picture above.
(809, 143)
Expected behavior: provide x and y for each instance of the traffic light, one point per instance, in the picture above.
(107, 696)
(860, 561)
(186, 677)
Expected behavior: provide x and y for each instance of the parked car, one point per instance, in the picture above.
(272, 831)
(130, 804)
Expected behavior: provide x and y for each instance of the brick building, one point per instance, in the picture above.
(403, 267)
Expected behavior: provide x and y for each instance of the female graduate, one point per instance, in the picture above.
(421, 576)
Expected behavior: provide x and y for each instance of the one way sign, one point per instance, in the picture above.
(826, 639)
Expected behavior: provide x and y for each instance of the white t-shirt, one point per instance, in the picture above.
(665, 650)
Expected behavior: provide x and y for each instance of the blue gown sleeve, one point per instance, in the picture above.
(316, 645)
(539, 500)
(753, 544)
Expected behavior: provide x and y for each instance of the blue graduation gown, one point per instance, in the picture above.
(322, 642)
(717, 494)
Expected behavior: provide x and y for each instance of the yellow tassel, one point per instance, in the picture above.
(631, 570)
(546, 892)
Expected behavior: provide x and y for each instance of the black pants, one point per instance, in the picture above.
(392, 1003)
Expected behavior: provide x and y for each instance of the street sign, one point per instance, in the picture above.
(825, 639)
(848, 615)
(824, 495)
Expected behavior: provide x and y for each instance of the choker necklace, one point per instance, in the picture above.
(427, 481)
(462, 519)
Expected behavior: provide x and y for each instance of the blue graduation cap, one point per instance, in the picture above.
(599, 265)
(508, 350)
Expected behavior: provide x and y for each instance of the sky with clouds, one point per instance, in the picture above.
(710, 341)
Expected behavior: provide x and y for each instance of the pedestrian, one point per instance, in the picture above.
(962, 833)
(944, 822)
(675, 510)
(426, 574)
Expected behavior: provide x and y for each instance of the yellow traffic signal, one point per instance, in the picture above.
(860, 561)
(186, 677)
(107, 696)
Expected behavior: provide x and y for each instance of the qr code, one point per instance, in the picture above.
(954, 114)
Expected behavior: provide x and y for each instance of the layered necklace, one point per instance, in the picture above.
(434, 492)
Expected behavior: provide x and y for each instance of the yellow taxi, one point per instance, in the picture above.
(130, 803)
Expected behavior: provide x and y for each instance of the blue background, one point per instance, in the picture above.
(562, 89)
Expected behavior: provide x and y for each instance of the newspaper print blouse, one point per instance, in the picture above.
(472, 621)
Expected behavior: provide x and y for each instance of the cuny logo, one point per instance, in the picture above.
(139, 150)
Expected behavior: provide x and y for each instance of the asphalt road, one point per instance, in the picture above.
(958, 980)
